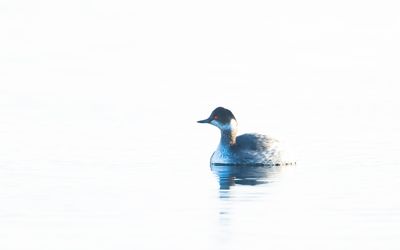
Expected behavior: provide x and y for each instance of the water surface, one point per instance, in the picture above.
(85, 191)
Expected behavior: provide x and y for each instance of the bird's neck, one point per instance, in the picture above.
(228, 134)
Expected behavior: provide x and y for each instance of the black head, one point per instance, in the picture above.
(219, 117)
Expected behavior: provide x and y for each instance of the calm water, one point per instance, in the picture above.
(100, 149)
(90, 185)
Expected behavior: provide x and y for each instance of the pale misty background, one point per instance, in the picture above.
(100, 148)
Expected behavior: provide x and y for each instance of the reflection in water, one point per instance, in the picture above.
(229, 175)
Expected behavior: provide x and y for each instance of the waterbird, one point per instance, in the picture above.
(248, 149)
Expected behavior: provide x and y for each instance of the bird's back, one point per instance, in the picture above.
(256, 149)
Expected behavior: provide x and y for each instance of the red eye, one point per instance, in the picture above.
(216, 117)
